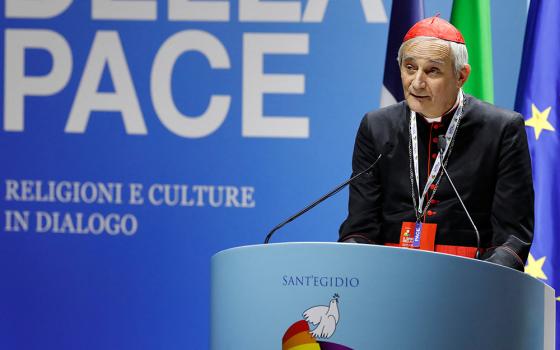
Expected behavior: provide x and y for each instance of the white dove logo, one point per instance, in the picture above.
(324, 317)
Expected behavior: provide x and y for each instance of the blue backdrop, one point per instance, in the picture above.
(243, 111)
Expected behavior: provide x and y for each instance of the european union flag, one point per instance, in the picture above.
(538, 99)
(404, 14)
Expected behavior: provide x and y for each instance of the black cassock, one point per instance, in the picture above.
(489, 164)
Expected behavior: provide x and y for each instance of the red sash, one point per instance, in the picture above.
(468, 252)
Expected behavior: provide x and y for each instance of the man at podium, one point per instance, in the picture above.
(407, 200)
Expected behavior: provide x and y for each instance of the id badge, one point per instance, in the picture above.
(419, 235)
(407, 234)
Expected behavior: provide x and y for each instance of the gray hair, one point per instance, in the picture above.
(459, 53)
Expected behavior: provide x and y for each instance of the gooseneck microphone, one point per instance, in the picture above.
(329, 194)
(442, 142)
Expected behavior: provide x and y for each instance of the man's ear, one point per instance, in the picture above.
(464, 75)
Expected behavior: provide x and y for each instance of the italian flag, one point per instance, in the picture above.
(472, 18)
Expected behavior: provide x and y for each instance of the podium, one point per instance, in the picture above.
(375, 297)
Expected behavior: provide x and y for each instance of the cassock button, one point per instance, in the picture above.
(432, 187)
(431, 213)
(436, 126)
(435, 201)
(435, 140)
(434, 155)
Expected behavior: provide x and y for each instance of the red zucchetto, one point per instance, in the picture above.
(435, 27)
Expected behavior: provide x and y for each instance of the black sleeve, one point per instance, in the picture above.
(513, 204)
(364, 206)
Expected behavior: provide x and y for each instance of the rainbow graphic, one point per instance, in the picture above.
(297, 337)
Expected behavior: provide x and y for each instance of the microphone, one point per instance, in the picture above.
(388, 148)
(442, 142)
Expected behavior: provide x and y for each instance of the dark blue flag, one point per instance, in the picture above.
(538, 99)
(404, 13)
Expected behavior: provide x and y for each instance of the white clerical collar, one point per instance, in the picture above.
(433, 120)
